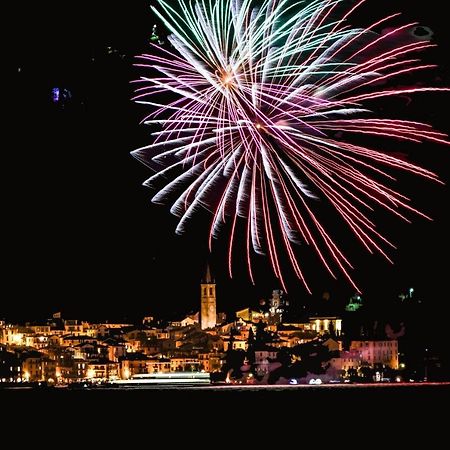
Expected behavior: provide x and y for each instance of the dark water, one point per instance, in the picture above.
(398, 411)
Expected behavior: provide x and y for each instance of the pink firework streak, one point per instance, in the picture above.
(258, 102)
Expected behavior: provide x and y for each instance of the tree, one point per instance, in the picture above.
(234, 360)
(251, 347)
(261, 337)
(331, 330)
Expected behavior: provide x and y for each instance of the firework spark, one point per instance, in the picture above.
(265, 104)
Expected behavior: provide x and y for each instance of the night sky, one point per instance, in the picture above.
(81, 235)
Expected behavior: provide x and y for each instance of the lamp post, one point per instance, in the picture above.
(425, 376)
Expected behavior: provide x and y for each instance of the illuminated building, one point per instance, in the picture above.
(294, 334)
(133, 364)
(299, 326)
(377, 352)
(72, 340)
(346, 361)
(324, 325)
(354, 304)
(208, 301)
(32, 368)
(147, 320)
(250, 315)
(158, 365)
(186, 322)
(263, 359)
(106, 329)
(50, 370)
(45, 330)
(277, 307)
(116, 350)
(184, 364)
(71, 370)
(73, 327)
(102, 370)
(90, 351)
(236, 344)
(210, 362)
(221, 317)
(12, 335)
(10, 366)
(333, 345)
(54, 341)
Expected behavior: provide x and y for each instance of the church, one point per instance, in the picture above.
(208, 301)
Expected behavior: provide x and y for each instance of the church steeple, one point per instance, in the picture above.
(207, 301)
(208, 279)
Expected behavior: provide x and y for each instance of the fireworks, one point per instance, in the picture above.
(260, 106)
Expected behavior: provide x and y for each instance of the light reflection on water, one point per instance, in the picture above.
(254, 388)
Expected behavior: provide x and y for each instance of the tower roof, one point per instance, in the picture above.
(208, 279)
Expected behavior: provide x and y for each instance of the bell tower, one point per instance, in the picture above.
(208, 301)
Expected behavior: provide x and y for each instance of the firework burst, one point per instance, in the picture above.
(263, 106)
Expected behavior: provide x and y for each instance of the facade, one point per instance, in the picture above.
(263, 360)
(377, 352)
(32, 369)
(322, 325)
(10, 366)
(333, 345)
(103, 370)
(346, 361)
(236, 344)
(12, 335)
(277, 307)
(250, 315)
(184, 364)
(210, 362)
(158, 365)
(132, 365)
(208, 302)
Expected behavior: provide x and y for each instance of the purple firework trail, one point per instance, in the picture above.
(261, 98)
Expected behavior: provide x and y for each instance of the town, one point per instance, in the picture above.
(258, 345)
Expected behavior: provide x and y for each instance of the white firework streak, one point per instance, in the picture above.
(262, 96)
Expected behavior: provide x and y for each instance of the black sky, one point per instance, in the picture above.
(81, 235)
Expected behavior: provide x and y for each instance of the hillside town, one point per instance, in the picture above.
(258, 345)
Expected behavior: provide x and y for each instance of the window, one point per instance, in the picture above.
(210, 291)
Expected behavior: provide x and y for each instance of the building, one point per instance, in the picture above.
(115, 349)
(333, 345)
(102, 370)
(189, 320)
(208, 301)
(10, 366)
(184, 365)
(32, 368)
(323, 325)
(210, 362)
(277, 307)
(354, 303)
(133, 364)
(221, 317)
(377, 352)
(158, 365)
(13, 335)
(73, 327)
(235, 342)
(250, 315)
(264, 359)
(346, 361)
